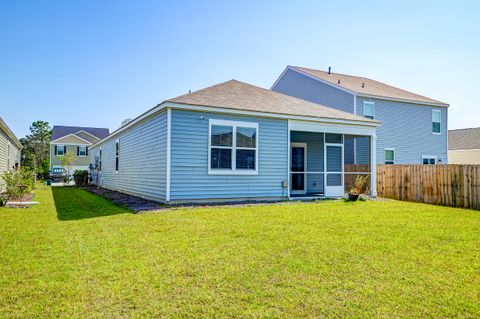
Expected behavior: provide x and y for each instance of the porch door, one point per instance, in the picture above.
(334, 170)
(298, 168)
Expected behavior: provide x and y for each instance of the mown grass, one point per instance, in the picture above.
(77, 255)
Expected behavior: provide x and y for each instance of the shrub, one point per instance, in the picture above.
(360, 185)
(81, 177)
(18, 183)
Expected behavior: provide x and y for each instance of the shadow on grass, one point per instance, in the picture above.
(74, 204)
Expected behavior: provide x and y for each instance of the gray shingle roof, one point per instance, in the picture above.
(60, 131)
(464, 139)
(361, 85)
(237, 95)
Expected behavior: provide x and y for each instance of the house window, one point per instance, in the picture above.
(8, 157)
(233, 147)
(429, 160)
(389, 156)
(60, 150)
(100, 160)
(82, 151)
(436, 121)
(117, 155)
(369, 109)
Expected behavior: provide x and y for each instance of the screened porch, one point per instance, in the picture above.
(327, 164)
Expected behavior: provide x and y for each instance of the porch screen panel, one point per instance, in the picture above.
(334, 179)
(334, 159)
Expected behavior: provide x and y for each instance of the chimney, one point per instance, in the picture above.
(329, 69)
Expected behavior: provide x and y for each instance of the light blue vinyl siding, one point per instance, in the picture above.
(315, 158)
(363, 150)
(189, 160)
(298, 85)
(142, 160)
(407, 128)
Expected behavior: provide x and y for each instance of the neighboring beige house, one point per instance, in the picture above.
(10, 148)
(464, 146)
(76, 139)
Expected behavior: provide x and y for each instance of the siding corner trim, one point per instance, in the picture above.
(169, 152)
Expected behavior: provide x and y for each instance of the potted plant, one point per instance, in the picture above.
(359, 188)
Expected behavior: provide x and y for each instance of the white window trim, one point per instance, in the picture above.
(363, 108)
(234, 148)
(394, 155)
(63, 149)
(430, 157)
(117, 141)
(440, 112)
(80, 155)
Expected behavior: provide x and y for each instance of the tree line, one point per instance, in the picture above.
(36, 148)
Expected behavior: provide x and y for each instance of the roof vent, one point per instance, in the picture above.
(329, 69)
(338, 81)
(363, 84)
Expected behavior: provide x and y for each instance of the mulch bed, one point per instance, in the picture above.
(21, 202)
(134, 203)
(139, 205)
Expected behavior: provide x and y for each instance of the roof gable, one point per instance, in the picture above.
(366, 87)
(71, 139)
(464, 139)
(87, 136)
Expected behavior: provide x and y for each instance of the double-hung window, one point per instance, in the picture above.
(117, 155)
(233, 147)
(428, 159)
(81, 151)
(436, 121)
(369, 109)
(60, 150)
(100, 160)
(389, 156)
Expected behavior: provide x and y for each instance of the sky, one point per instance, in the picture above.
(96, 63)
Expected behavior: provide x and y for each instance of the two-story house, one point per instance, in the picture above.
(75, 139)
(414, 127)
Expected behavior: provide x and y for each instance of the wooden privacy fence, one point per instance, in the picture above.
(448, 185)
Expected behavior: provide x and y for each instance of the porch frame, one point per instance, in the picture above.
(336, 128)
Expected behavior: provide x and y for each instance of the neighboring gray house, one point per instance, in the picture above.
(414, 127)
(231, 141)
(75, 139)
(464, 146)
(10, 149)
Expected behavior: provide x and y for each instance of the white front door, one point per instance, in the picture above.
(334, 170)
(298, 168)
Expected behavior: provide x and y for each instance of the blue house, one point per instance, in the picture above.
(414, 127)
(234, 141)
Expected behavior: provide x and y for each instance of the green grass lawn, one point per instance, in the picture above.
(77, 255)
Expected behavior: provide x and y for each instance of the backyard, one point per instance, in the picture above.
(78, 255)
